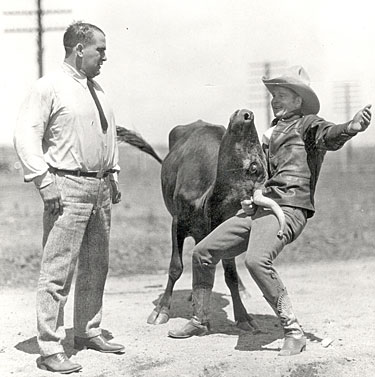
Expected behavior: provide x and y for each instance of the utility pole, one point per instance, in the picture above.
(346, 99)
(259, 96)
(39, 29)
(40, 37)
(267, 73)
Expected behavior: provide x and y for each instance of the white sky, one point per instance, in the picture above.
(175, 61)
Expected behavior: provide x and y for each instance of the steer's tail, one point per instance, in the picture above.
(136, 140)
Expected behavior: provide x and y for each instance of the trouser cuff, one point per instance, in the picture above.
(50, 348)
(88, 334)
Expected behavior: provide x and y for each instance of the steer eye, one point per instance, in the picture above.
(253, 168)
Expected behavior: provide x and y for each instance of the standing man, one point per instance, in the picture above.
(66, 140)
(295, 146)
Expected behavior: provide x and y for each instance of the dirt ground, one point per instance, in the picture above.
(334, 302)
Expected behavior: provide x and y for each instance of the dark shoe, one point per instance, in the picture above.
(193, 327)
(97, 343)
(293, 346)
(58, 362)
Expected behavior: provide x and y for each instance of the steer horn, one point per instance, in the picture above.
(261, 200)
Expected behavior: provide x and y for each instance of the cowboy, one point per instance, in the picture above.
(294, 146)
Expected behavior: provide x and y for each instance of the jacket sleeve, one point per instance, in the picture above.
(327, 135)
(31, 124)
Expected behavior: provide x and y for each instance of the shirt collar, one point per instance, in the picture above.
(75, 74)
(292, 118)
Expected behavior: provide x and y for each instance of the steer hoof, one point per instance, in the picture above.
(158, 317)
(256, 328)
(250, 324)
(244, 326)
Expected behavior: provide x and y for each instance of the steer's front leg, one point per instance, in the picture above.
(160, 314)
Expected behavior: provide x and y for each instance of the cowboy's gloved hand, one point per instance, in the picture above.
(361, 120)
(52, 199)
(248, 206)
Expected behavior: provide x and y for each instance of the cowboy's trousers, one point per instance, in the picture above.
(257, 236)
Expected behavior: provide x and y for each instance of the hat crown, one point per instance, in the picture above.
(298, 72)
(294, 74)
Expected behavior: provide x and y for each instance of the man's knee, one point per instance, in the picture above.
(256, 263)
(202, 256)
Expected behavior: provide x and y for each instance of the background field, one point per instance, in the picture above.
(342, 229)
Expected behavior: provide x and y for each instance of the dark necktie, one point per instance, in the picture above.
(103, 120)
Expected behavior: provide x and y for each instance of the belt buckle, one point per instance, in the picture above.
(99, 174)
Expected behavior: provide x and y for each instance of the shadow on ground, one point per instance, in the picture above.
(181, 307)
(271, 330)
(220, 324)
(31, 345)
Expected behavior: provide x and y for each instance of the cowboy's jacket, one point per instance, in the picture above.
(295, 150)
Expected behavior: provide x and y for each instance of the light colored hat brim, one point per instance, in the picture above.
(310, 101)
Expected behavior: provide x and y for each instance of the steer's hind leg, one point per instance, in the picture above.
(244, 320)
(161, 312)
(244, 293)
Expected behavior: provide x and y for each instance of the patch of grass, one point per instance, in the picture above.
(141, 365)
(218, 370)
(306, 370)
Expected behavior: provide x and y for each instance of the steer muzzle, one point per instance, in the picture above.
(241, 117)
(247, 115)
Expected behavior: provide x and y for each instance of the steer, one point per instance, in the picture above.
(208, 171)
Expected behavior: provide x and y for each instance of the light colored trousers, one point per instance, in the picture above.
(80, 234)
(255, 235)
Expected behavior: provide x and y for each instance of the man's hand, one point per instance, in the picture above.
(361, 120)
(52, 199)
(248, 206)
(115, 192)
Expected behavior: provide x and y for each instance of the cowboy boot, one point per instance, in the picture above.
(294, 339)
(199, 324)
(203, 282)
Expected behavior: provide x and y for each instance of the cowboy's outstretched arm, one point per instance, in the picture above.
(361, 120)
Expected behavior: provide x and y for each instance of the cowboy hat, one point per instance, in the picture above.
(296, 79)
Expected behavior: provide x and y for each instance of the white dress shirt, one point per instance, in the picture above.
(59, 126)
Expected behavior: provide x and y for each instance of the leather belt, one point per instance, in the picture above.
(79, 173)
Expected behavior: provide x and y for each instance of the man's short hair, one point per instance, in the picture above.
(79, 32)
